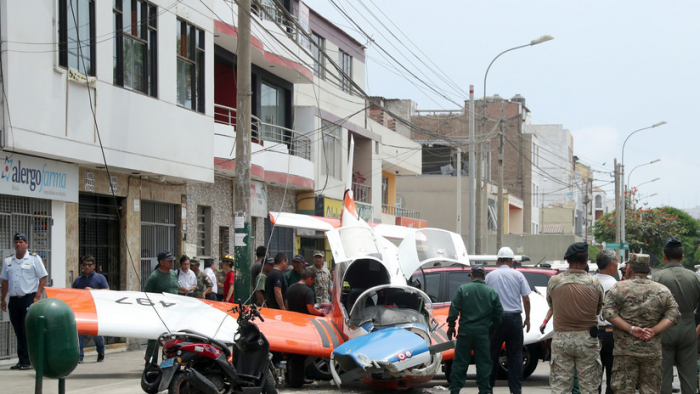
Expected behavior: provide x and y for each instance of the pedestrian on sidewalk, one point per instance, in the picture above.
(91, 280)
(23, 278)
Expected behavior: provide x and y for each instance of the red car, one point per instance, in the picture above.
(441, 283)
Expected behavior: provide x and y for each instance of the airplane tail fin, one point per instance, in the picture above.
(349, 214)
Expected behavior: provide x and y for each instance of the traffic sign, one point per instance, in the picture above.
(617, 245)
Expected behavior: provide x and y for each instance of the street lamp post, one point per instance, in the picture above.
(641, 165)
(622, 176)
(499, 226)
(644, 183)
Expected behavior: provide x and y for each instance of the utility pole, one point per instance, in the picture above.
(472, 173)
(477, 200)
(499, 226)
(617, 202)
(459, 191)
(241, 187)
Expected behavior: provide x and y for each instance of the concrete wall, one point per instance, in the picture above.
(560, 216)
(537, 247)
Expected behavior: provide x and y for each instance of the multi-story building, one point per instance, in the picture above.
(126, 112)
(334, 109)
(447, 130)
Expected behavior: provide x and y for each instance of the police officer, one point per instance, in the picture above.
(479, 309)
(640, 310)
(679, 342)
(23, 277)
(576, 299)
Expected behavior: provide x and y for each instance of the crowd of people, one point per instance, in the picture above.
(271, 280)
(634, 330)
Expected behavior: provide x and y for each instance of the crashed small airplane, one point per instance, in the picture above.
(380, 330)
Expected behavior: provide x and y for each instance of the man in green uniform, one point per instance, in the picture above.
(640, 310)
(480, 311)
(162, 280)
(679, 342)
(576, 299)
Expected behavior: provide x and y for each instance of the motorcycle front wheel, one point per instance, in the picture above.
(269, 386)
(180, 385)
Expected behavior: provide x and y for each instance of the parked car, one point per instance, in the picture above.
(441, 283)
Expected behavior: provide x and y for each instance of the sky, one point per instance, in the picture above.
(613, 67)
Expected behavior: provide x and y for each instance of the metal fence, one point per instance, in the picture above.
(298, 144)
(400, 212)
(32, 217)
(158, 231)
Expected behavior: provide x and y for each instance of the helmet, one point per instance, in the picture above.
(228, 257)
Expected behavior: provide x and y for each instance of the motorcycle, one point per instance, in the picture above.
(194, 363)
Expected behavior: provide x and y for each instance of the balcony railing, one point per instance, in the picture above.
(362, 193)
(298, 144)
(400, 212)
(267, 10)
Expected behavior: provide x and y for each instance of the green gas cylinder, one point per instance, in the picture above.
(52, 338)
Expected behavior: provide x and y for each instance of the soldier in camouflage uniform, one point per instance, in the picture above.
(576, 299)
(640, 310)
(204, 284)
(679, 343)
(323, 278)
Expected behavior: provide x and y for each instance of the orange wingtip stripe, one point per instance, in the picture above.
(83, 306)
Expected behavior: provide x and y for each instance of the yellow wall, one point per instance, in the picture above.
(391, 190)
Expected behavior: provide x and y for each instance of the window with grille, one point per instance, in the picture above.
(203, 231)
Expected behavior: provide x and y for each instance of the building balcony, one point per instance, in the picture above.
(362, 193)
(298, 144)
(279, 156)
(400, 212)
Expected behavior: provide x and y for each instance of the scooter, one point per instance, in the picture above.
(195, 363)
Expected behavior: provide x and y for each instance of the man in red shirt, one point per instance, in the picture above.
(230, 277)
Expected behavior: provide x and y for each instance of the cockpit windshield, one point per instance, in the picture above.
(432, 244)
(358, 242)
(390, 305)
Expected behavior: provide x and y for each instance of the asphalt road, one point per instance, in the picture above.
(120, 373)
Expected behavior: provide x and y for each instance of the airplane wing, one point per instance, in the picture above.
(133, 314)
(296, 220)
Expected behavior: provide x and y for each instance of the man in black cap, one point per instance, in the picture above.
(479, 310)
(679, 342)
(162, 280)
(23, 278)
(575, 298)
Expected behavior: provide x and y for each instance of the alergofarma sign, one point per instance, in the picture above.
(39, 178)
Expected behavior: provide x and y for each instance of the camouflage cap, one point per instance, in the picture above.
(639, 260)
